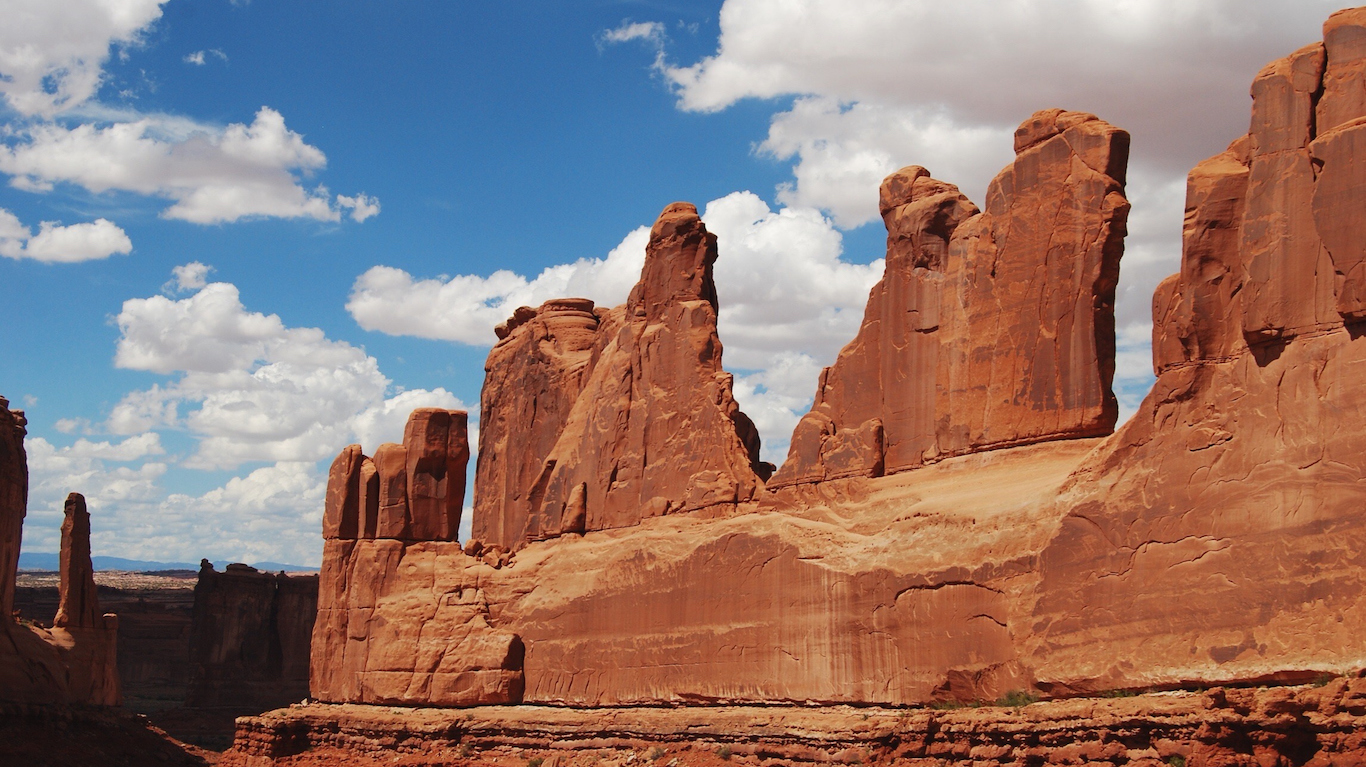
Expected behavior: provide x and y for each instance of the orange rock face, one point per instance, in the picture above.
(74, 661)
(443, 651)
(1215, 538)
(599, 420)
(1236, 490)
(988, 329)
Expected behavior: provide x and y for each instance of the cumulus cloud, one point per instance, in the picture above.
(55, 243)
(213, 175)
(52, 54)
(191, 276)
(248, 387)
(465, 308)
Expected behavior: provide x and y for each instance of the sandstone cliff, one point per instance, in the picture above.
(988, 329)
(1215, 538)
(1236, 491)
(75, 660)
(440, 647)
(250, 636)
(596, 420)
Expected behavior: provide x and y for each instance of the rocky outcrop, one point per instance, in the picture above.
(1236, 491)
(13, 499)
(408, 492)
(596, 420)
(533, 377)
(1317, 726)
(442, 648)
(250, 637)
(988, 329)
(1214, 539)
(75, 661)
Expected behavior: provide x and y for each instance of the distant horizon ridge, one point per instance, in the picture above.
(50, 561)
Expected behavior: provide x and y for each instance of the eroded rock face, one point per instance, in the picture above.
(1236, 490)
(75, 661)
(533, 377)
(597, 420)
(436, 652)
(988, 329)
(1215, 538)
(410, 492)
(250, 637)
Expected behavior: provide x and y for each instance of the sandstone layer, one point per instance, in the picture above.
(250, 638)
(441, 648)
(597, 420)
(988, 329)
(75, 661)
(1215, 538)
(1308, 726)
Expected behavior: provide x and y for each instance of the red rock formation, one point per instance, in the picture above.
(79, 606)
(250, 637)
(75, 660)
(1316, 726)
(1236, 490)
(597, 420)
(1215, 538)
(439, 652)
(13, 499)
(988, 329)
(534, 375)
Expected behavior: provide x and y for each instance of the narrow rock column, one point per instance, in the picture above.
(13, 500)
(79, 606)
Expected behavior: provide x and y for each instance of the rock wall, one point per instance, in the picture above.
(1314, 726)
(598, 420)
(1215, 538)
(1237, 489)
(250, 637)
(439, 646)
(988, 329)
(75, 661)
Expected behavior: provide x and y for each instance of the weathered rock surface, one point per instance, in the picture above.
(250, 637)
(74, 661)
(1220, 728)
(988, 329)
(438, 646)
(1216, 538)
(1237, 489)
(408, 492)
(597, 420)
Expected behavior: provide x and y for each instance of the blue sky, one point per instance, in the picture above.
(239, 235)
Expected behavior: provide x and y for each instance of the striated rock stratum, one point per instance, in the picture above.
(955, 522)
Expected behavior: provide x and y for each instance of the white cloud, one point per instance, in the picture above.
(213, 175)
(362, 206)
(649, 31)
(191, 276)
(465, 308)
(55, 243)
(249, 388)
(52, 53)
(198, 57)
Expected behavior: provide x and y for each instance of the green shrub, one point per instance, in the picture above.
(1176, 760)
(656, 754)
(1017, 698)
(724, 753)
(534, 761)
